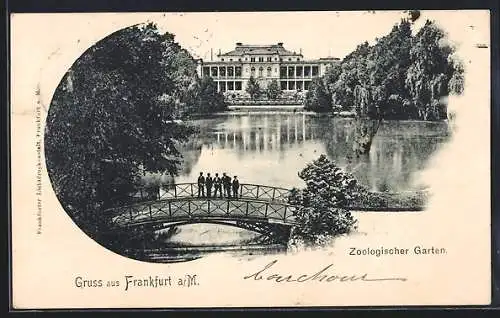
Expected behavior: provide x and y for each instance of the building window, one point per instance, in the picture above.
(315, 71)
(291, 86)
(222, 86)
(237, 71)
(230, 86)
(289, 58)
(252, 72)
(307, 70)
(306, 85)
(299, 86)
(261, 70)
(298, 59)
(222, 59)
(269, 72)
(275, 70)
(252, 59)
(246, 58)
(261, 59)
(298, 71)
(281, 59)
(237, 86)
(269, 59)
(283, 86)
(239, 60)
(214, 71)
(222, 71)
(230, 71)
(230, 60)
(275, 58)
(283, 71)
(290, 71)
(206, 71)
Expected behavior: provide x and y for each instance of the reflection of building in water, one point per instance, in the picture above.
(262, 144)
(268, 136)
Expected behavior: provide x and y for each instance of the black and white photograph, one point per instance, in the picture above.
(262, 141)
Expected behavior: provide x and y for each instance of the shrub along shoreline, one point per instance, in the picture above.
(390, 202)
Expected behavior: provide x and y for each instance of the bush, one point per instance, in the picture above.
(253, 88)
(208, 99)
(317, 98)
(380, 201)
(273, 90)
(322, 212)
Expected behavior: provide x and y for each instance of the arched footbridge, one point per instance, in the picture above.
(259, 208)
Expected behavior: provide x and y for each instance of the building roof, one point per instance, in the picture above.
(282, 63)
(329, 58)
(242, 49)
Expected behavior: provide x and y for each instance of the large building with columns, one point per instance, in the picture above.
(232, 70)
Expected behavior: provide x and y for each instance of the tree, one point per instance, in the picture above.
(273, 89)
(413, 15)
(317, 97)
(365, 130)
(401, 76)
(332, 74)
(457, 82)
(322, 210)
(113, 118)
(387, 64)
(352, 73)
(209, 100)
(253, 88)
(430, 71)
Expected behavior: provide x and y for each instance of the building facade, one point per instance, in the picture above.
(232, 70)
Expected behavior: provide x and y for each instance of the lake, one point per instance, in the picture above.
(271, 149)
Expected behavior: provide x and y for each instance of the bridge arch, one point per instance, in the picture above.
(258, 208)
(270, 232)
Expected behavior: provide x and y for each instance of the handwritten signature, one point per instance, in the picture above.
(321, 276)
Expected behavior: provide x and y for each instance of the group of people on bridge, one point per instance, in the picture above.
(218, 184)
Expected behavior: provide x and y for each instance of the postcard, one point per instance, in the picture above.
(250, 159)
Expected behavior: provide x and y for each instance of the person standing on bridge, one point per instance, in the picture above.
(201, 185)
(208, 183)
(218, 186)
(226, 181)
(236, 187)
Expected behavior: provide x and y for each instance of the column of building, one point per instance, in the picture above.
(296, 77)
(227, 78)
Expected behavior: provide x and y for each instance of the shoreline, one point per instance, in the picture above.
(346, 115)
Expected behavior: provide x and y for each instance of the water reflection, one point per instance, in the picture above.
(272, 148)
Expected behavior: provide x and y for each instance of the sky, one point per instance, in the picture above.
(318, 34)
(44, 46)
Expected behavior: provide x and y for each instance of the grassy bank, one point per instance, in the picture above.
(386, 201)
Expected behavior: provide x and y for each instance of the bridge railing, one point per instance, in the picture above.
(206, 208)
(190, 190)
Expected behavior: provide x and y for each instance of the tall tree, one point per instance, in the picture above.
(401, 76)
(317, 97)
(353, 73)
(209, 100)
(430, 71)
(253, 88)
(332, 74)
(114, 117)
(273, 89)
(387, 63)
